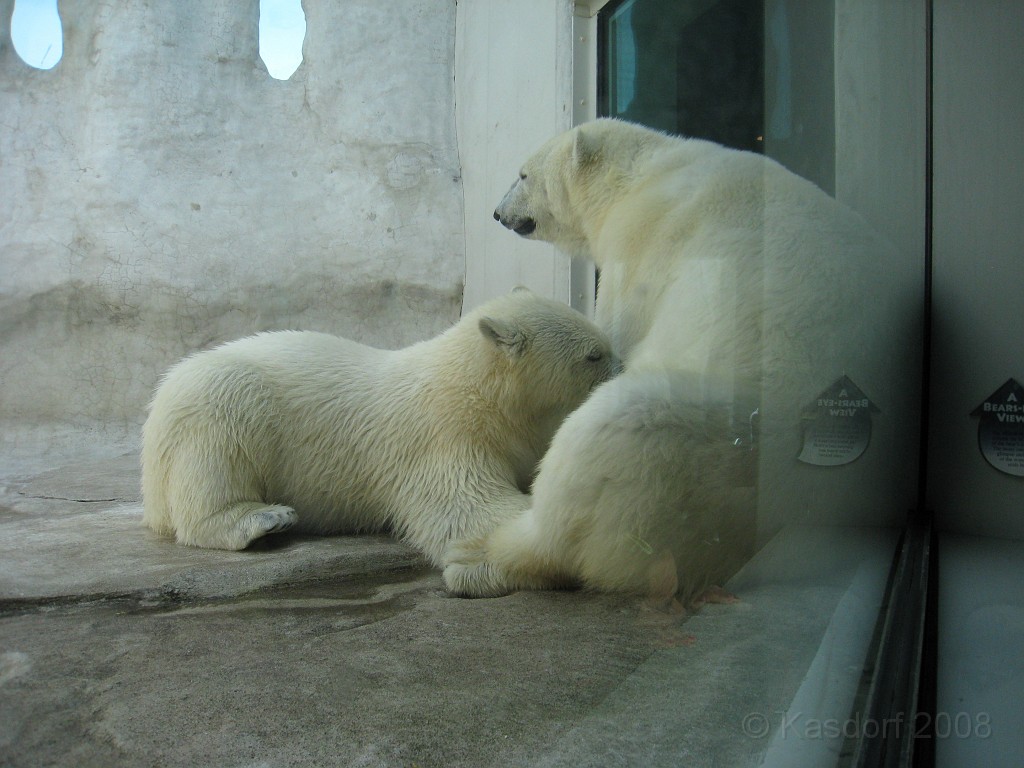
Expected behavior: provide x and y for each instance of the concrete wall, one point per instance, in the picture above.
(160, 192)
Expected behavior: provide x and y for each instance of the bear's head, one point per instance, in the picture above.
(545, 356)
(566, 186)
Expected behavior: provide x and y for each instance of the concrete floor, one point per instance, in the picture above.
(120, 648)
(981, 652)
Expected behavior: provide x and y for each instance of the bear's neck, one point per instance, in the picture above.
(610, 205)
(472, 392)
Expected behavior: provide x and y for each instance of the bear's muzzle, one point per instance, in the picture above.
(519, 226)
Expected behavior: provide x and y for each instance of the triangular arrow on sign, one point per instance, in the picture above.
(843, 390)
(837, 425)
(1011, 393)
(1001, 428)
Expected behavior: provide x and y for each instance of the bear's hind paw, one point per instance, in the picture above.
(479, 580)
(468, 574)
(466, 552)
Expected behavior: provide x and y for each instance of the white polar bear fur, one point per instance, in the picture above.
(436, 441)
(727, 284)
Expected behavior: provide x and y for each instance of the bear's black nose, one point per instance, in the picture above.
(497, 216)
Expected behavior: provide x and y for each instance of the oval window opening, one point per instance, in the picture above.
(37, 33)
(282, 30)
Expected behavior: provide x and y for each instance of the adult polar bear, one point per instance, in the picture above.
(436, 441)
(729, 286)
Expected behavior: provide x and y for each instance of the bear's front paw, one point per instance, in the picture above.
(275, 519)
(264, 521)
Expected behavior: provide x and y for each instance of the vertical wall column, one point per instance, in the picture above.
(513, 85)
(978, 262)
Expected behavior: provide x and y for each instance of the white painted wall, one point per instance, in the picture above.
(160, 192)
(881, 122)
(513, 83)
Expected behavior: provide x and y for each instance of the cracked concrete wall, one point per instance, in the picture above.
(160, 192)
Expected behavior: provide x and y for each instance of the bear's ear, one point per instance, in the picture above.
(504, 336)
(586, 149)
(520, 289)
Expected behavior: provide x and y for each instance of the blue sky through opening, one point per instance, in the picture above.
(38, 37)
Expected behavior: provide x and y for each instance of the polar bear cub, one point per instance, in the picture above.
(735, 292)
(437, 441)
